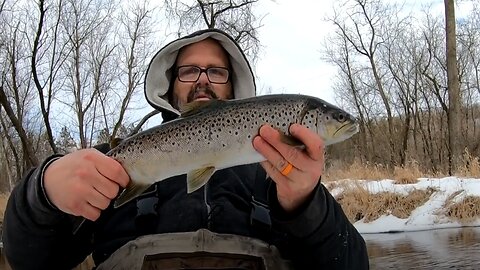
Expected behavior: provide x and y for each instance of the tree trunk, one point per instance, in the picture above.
(455, 143)
(30, 158)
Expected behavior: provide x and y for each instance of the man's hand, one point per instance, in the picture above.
(293, 188)
(84, 182)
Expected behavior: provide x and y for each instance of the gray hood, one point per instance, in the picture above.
(159, 73)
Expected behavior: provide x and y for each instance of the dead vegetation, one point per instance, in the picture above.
(358, 203)
(465, 210)
(357, 170)
(3, 204)
(470, 166)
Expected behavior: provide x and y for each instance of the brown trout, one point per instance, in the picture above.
(217, 134)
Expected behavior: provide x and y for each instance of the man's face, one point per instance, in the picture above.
(203, 54)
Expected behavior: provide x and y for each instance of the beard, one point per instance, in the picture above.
(201, 91)
(193, 94)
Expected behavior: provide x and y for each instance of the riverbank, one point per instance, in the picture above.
(423, 204)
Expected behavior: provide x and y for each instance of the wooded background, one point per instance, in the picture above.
(72, 75)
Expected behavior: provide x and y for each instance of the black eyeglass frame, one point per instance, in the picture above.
(203, 70)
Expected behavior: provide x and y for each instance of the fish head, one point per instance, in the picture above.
(331, 123)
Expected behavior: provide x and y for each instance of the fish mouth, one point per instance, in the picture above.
(349, 128)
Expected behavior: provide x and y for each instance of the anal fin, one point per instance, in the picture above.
(130, 192)
(197, 178)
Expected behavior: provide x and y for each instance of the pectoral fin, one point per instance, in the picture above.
(197, 178)
(130, 192)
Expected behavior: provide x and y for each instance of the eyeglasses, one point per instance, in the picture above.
(218, 75)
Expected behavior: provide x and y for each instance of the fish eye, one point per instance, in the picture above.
(341, 117)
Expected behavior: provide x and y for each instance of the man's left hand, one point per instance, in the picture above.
(294, 187)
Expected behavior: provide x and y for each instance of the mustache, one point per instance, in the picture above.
(201, 90)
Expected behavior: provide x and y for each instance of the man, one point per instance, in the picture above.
(289, 210)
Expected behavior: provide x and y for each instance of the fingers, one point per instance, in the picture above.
(105, 187)
(109, 168)
(314, 145)
(84, 201)
(89, 212)
(84, 182)
(279, 153)
(296, 182)
(276, 162)
(98, 200)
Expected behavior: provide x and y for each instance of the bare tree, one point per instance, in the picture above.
(468, 53)
(9, 150)
(15, 90)
(454, 98)
(406, 58)
(362, 27)
(81, 22)
(338, 51)
(48, 51)
(135, 47)
(235, 17)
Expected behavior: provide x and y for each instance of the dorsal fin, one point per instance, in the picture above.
(195, 106)
(115, 142)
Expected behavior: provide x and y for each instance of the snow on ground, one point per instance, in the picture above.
(424, 217)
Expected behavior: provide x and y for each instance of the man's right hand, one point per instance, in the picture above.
(84, 182)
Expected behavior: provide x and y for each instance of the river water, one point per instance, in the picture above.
(435, 249)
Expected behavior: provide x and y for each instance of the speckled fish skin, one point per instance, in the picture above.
(219, 134)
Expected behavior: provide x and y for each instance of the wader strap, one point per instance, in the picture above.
(146, 219)
(260, 213)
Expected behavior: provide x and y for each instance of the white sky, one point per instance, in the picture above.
(292, 37)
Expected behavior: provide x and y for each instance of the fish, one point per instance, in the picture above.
(216, 134)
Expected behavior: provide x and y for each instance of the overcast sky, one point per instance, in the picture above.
(292, 36)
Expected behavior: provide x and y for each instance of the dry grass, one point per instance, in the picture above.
(3, 204)
(465, 210)
(470, 167)
(408, 174)
(358, 203)
(356, 170)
